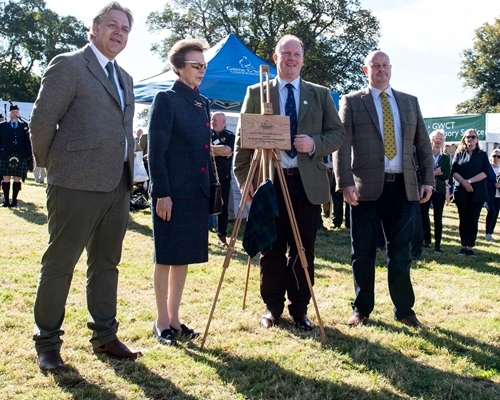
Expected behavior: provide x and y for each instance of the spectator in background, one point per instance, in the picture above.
(16, 156)
(493, 204)
(223, 146)
(470, 169)
(438, 198)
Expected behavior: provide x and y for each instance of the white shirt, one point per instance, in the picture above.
(395, 165)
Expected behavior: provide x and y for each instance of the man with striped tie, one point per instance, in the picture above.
(375, 171)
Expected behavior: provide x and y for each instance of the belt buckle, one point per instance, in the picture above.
(389, 177)
(290, 171)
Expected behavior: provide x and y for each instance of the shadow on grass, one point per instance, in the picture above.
(79, 388)
(152, 385)
(259, 378)
(30, 213)
(417, 379)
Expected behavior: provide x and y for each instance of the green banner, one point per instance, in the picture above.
(455, 126)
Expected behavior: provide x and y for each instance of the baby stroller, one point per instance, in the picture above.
(140, 197)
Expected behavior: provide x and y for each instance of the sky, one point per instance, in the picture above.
(423, 38)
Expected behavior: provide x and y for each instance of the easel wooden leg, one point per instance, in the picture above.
(298, 240)
(237, 223)
(249, 265)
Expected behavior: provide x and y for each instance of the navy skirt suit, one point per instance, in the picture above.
(179, 167)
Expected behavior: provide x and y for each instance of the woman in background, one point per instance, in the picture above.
(493, 205)
(179, 154)
(470, 168)
(438, 198)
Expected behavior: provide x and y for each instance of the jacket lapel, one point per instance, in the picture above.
(401, 102)
(368, 101)
(96, 69)
(306, 96)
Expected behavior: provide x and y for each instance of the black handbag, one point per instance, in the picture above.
(215, 201)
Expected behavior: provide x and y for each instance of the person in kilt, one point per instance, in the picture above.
(16, 157)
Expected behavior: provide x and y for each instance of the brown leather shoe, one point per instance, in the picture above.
(50, 361)
(412, 322)
(116, 349)
(268, 320)
(357, 319)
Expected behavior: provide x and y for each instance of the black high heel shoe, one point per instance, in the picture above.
(185, 332)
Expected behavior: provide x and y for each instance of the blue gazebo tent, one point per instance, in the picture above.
(232, 67)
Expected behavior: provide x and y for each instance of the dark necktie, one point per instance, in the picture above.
(291, 110)
(389, 136)
(14, 124)
(111, 77)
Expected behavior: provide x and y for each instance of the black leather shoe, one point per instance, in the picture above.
(357, 319)
(166, 337)
(185, 332)
(268, 320)
(50, 361)
(412, 322)
(302, 322)
(116, 349)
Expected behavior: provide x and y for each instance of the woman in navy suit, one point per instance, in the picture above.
(179, 155)
(470, 168)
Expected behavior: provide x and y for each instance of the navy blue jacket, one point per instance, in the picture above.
(179, 143)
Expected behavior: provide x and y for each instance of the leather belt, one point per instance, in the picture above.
(291, 171)
(391, 177)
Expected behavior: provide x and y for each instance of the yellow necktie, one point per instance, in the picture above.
(389, 137)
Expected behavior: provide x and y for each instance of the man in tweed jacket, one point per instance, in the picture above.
(319, 133)
(382, 191)
(81, 129)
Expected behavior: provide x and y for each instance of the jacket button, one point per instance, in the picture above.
(202, 169)
(206, 146)
(123, 143)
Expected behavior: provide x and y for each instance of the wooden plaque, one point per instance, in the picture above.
(265, 131)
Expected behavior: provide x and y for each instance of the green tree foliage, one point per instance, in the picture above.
(481, 71)
(337, 34)
(30, 36)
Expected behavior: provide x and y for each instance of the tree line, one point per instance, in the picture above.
(337, 35)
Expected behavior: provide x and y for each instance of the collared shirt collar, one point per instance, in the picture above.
(282, 83)
(376, 92)
(103, 60)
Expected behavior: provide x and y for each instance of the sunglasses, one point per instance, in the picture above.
(197, 64)
(471, 137)
(496, 156)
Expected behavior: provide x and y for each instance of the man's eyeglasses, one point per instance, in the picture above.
(197, 64)
(471, 137)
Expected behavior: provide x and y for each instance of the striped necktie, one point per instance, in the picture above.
(389, 136)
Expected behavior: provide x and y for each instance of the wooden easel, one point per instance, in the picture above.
(266, 157)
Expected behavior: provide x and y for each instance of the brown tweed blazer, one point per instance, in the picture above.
(317, 118)
(360, 161)
(78, 129)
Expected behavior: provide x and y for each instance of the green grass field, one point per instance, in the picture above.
(457, 357)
